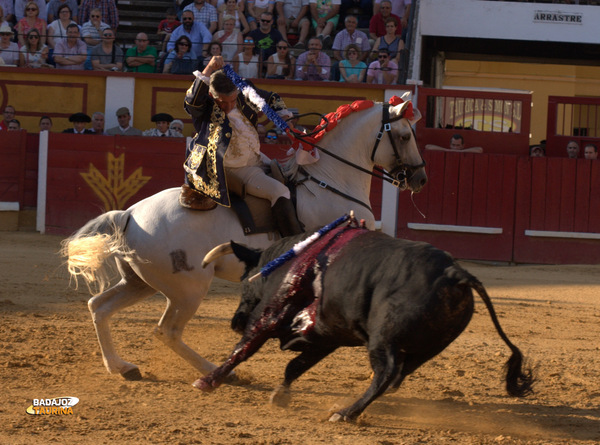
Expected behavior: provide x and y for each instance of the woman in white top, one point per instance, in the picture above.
(230, 38)
(58, 28)
(281, 65)
(246, 63)
(34, 54)
(236, 10)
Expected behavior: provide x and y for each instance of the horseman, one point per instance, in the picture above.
(226, 149)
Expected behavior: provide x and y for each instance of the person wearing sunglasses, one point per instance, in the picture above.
(352, 69)
(255, 9)
(70, 53)
(271, 137)
(382, 71)
(195, 31)
(29, 22)
(141, 58)
(107, 56)
(93, 29)
(107, 8)
(20, 8)
(33, 54)
(9, 50)
(181, 59)
(205, 13)
(177, 126)
(266, 37)
(246, 64)
(281, 65)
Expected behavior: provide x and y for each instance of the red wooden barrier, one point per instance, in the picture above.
(12, 165)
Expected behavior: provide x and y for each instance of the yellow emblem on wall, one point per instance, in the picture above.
(115, 190)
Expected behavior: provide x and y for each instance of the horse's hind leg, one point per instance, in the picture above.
(127, 292)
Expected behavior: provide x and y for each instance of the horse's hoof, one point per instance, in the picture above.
(203, 385)
(132, 374)
(281, 397)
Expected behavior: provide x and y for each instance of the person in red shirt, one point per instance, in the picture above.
(167, 26)
(377, 23)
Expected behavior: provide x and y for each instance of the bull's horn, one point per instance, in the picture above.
(217, 252)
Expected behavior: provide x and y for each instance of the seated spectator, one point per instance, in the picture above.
(271, 137)
(33, 54)
(214, 49)
(234, 10)
(29, 22)
(167, 26)
(325, 16)
(198, 34)
(8, 12)
(123, 129)
(9, 114)
(246, 63)
(57, 30)
(590, 151)
(3, 19)
(390, 41)
(54, 7)
(536, 151)
(20, 7)
(281, 65)
(293, 16)
(92, 30)
(79, 120)
(204, 13)
(573, 150)
(230, 38)
(9, 50)
(457, 143)
(162, 121)
(255, 9)
(351, 68)
(313, 64)
(382, 71)
(45, 123)
(14, 125)
(98, 123)
(141, 58)
(350, 35)
(107, 8)
(177, 126)
(107, 56)
(377, 23)
(400, 8)
(70, 53)
(266, 37)
(181, 59)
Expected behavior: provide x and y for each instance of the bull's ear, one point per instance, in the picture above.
(248, 256)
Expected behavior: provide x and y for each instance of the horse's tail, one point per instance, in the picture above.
(519, 382)
(90, 250)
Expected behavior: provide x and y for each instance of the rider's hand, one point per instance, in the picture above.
(216, 63)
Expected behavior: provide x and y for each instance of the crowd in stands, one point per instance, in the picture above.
(280, 39)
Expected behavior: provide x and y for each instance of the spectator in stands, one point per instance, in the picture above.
(141, 58)
(271, 137)
(293, 17)
(382, 71)
(313, 64)
(57, 30)
(204, 13)
(162, 121)
(400, 8)
(377, 23)
(20, 8)
(351, 35)
(98, 123)
(255, 9)
(31, 21)
(236, 11)
(33, 54)
(108, 11)
(54, 7)
(246, 64)
(352, 69)
(573, 150)
(9, 114)
(45, 123)
(14, 125)
(266, 37)
(9, 50)
(167, 26)
(537, 151)
(198, 34)
(590, 151)
(390, 41)
(107, 56)
(457, 143)
(230, 38)
(123, 129)
(3, 20)
(325, 16)
(281, 65)
(79, 120)
(8, 12)
(177, 126)
(93, 29)
(181, 59)
(70, 53)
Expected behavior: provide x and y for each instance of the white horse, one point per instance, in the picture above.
(159, 246)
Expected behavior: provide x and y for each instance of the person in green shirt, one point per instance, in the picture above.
(141, 58)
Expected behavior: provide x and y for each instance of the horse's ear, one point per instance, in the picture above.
(406, 109)
(248, 256)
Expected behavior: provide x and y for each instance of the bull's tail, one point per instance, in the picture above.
(90, 250)
(519, 382)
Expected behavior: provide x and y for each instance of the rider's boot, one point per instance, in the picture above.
(191, 199)
(285, 218)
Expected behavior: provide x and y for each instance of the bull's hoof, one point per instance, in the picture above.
(203, 385)
(233, 380)
(132, 375)
(281, 396)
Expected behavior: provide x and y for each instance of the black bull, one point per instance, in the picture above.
(406, 301)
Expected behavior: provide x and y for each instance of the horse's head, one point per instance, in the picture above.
(397, 151)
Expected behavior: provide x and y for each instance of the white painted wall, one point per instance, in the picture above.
(120, 92)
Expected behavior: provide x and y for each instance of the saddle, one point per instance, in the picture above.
(254, 213)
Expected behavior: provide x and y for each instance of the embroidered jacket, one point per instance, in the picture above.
(204, 156)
